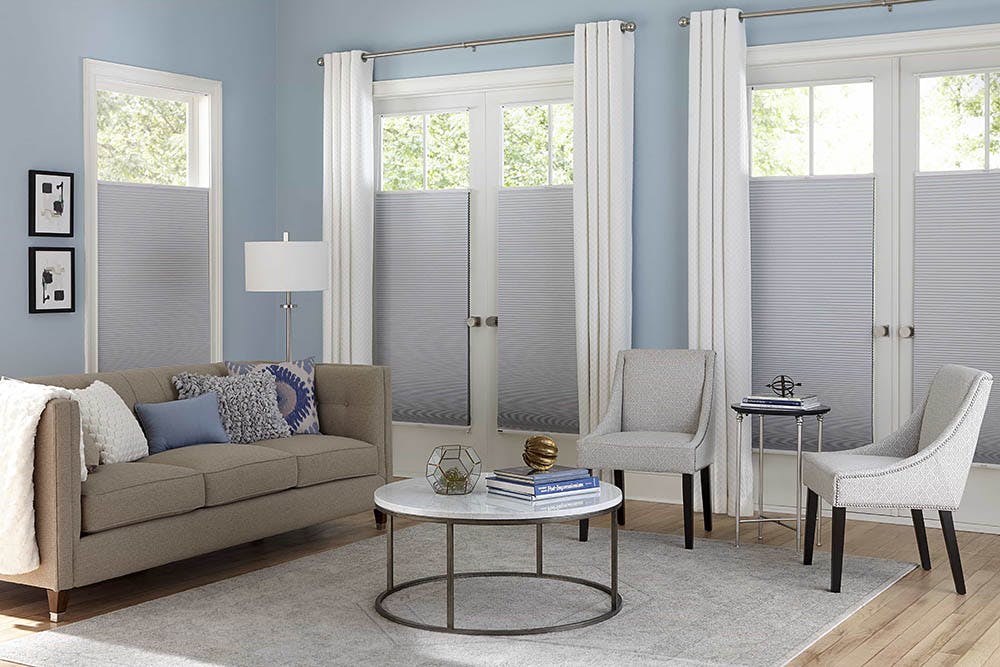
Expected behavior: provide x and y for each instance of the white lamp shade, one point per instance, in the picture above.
(287, 266)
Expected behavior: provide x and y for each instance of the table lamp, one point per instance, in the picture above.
(287, 266)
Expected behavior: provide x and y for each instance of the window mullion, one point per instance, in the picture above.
(986, 118)
(812, 132)
(424, 119)
(550, 144)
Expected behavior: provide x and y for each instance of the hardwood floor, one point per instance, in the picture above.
(920, 620)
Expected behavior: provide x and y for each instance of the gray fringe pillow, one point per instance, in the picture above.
(248, 404)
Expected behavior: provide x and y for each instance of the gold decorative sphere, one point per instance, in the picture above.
(540, 452)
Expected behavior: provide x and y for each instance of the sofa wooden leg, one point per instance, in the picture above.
(687, 486)
(584, 529)
(812, 505)
(837, 548)
(921, 532)
(379, 519)
(620, 483)
(951, 543)
(58, 601)
(706, 497)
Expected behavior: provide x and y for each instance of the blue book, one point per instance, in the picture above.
(529, 475)
(542, 489)
(579, 493)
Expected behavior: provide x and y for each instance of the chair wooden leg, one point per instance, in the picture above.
(379, 519)
(921, 532)
(58, 601)
(837, 548)
(620, 483)
(687, 483)
(585, 523)
(706, 497)
(812, 506)
(951, 542)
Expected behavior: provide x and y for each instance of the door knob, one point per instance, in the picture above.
(882, 331)
(906, 331)
(474, 321)
(492, 321)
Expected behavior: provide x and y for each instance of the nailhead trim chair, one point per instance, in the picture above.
(658, 420)
(923, 465)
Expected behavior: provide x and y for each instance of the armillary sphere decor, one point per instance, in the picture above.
(540, 452)
(453, 469)
(784, 386)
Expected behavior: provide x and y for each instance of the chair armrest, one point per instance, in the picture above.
(903, 441)
(57, 496)
(356, 402)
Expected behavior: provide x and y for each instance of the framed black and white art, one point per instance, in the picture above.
(51, 280)
(50, 203)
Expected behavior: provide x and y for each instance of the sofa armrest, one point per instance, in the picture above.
(57, 496)
(356, 402)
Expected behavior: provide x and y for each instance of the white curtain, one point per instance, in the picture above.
(348, 206)
(603, 78)
(719, 232)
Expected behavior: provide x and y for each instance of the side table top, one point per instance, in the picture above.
(415, 497)
(739, 408)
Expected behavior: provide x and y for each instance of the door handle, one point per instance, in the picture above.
(882, 331)
(492, 321)
(474, 321)
(907, 331)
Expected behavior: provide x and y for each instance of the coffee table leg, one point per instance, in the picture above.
(388, 552)
(739, 469)
(614, 560)
(538, 549)
(451, 575)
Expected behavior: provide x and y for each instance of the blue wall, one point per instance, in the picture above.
(308, 28)
(42, 45)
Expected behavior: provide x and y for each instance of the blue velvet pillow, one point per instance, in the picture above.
(189, 421)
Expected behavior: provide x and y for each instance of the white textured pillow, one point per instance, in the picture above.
(109, 424)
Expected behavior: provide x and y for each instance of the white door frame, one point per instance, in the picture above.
(204, 130)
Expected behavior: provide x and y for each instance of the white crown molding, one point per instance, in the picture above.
(472, 82)
(869, 46)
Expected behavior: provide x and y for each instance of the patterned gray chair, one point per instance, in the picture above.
(923, 465)
(658, 420)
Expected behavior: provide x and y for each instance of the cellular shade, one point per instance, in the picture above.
(812, 298)
(536, 336)
(956, 270)
(422, 302)
(153, 277)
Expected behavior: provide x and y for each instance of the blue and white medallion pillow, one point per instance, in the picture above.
(296, 390)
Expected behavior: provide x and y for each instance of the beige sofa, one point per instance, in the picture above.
(180, 503)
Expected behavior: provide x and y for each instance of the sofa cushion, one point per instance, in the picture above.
(119, 494)
(234, 472)
(324, 458)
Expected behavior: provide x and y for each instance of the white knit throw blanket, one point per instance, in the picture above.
(21, 406)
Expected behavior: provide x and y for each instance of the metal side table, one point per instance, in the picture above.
(742, 411)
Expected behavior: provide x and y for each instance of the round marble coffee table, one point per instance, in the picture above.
(414, 499)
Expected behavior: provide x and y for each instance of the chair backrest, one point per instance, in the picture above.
(950, 396)
(662, 389)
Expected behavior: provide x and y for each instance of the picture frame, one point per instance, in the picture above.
(51, 280)
(50, 203)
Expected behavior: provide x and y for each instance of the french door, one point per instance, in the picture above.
(473, 289)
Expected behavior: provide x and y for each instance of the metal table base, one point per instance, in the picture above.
(450, 576)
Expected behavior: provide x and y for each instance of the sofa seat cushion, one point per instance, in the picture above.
(120, 494)
(234, 472)
(325, 458)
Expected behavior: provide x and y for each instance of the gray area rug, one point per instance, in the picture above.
(756, 605)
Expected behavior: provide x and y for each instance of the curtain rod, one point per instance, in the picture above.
(685, 21)
(627, 26)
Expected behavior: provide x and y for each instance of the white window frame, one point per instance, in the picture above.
(549, 105)
(423, 114)
(204, 170)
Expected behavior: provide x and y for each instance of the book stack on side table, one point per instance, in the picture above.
(787, 402)
(524, 483)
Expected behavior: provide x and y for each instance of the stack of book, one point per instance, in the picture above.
(524, 483)
(781, 402)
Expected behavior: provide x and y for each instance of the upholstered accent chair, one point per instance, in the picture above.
(923, 465)
(658, 420)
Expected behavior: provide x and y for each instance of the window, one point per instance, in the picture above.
(818, 130)
(960, 122)
(537, 145)
(425, 151)
(153, 160)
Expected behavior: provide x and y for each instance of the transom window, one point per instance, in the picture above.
(425, 151)
(960, 122)
(537, 145)
(820, 130)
